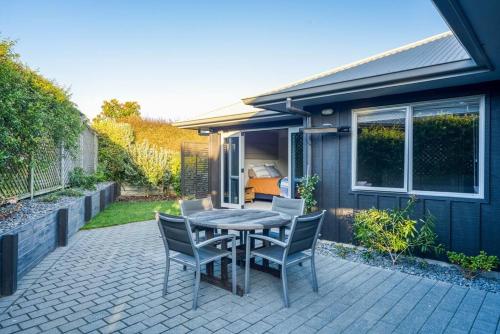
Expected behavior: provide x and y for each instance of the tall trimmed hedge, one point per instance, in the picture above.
(34, 113)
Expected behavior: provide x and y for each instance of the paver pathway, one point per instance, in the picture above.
(109, 280)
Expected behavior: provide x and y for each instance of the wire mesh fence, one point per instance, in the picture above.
(53, 173)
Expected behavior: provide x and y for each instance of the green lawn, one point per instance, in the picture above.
(127, 212)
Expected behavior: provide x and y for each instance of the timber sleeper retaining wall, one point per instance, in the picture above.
(23, 247)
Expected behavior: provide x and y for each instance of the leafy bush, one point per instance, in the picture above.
(79, 179)
(136, 151)
(394, 232)
(306, 190)
(120, 134)
(50, 198)
(152, 161)
(34, 112)
(161, 133)
(473, 265)
(70, 192)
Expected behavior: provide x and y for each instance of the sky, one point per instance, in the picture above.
(179, 58)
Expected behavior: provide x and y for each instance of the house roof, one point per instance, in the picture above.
(439, 49)
(442, 53)
(236, 113)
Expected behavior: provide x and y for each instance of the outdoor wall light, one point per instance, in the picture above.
(327, 112)
(204, 132)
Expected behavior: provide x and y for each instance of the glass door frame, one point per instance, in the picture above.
(291, 181)
(241, 174)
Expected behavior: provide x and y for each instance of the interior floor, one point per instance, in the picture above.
(258, 205)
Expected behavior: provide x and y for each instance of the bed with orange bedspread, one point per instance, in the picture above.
(265, 186)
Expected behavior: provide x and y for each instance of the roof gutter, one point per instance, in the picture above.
(398, 80)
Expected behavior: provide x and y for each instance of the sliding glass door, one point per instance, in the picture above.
(232, 170)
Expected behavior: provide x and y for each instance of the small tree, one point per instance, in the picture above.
(116, 110)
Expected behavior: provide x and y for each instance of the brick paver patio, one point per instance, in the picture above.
(110, 280)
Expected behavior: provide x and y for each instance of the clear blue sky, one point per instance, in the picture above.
(183, 58)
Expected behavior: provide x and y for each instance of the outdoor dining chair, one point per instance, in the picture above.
(290, 206)
(188, 207)
(299, 247)
(177, 237)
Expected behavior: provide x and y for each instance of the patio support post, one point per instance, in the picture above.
(8, 274)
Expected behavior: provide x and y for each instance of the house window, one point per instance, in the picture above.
(434, 148)
(380, 144)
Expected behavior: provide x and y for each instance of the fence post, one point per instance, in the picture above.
(61, 165)
(32, 173)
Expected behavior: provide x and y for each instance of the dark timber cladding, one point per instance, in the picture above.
(466, 225)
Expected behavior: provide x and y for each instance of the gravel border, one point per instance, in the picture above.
(410, 265)
(34, 209)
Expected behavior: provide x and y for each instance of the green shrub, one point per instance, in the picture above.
(118, 133)
(79, 179)
(70, 192)
(306, 190)
(342, 251)
(50, 198)
(152, 161)
(472, 266)
(394, 232)
(34, 113)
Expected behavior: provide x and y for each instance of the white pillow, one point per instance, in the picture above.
(261, 172)
(273, 171)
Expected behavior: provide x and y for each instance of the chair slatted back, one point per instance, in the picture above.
(176, 234)
(188, 207)
(290, 206)
(305, 231)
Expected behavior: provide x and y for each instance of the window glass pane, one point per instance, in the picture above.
(381, 149)
(231, 170)
(446, 147)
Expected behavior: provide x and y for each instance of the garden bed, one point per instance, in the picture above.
(410, 265)
(39, 227)
(36, 208)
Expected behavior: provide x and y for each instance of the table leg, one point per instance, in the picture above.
(209, 234)
(224, 260)
(282, 233)
(252, 246)
(265, 262)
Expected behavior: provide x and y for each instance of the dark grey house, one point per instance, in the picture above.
(423, 120)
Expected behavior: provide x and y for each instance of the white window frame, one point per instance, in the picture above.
(408, 169)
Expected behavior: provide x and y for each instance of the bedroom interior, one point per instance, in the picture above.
(266, 166)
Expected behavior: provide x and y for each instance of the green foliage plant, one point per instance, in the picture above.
(115, 109)
(306, 189)
(472, 266)
(394, 232)
(152, 161)
(34, 112)
(342, 251)
(79, 179)
(70, 192)
(50, 198)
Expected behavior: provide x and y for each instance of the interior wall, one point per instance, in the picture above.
(266, 147)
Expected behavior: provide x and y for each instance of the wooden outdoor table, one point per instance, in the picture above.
(243, 220)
